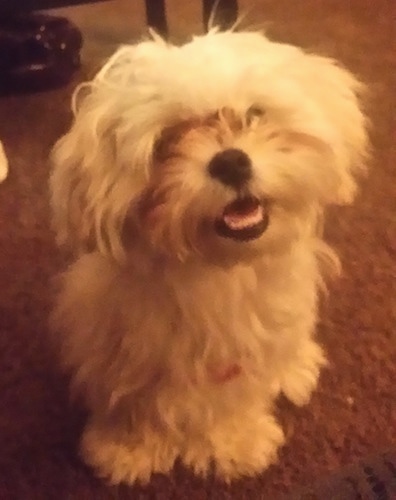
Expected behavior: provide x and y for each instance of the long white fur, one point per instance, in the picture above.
(155, 305)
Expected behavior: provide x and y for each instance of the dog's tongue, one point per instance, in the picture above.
(243, 213)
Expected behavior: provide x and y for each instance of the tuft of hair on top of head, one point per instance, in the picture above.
(214, 22)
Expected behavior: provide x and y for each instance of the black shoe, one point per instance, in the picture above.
(37, 52)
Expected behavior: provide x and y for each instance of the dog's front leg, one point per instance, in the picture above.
(299, 377)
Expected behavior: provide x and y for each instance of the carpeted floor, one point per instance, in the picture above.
(353, 414)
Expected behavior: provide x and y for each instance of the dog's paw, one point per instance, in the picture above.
(127, 461)
(244, 448)
(241, 454)
(301, 377)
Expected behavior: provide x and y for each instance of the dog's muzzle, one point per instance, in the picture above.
(246, 218)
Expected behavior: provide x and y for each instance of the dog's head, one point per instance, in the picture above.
(228, 145)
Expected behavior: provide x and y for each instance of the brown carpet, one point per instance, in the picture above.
(351, 416)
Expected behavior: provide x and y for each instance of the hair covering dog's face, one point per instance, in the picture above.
(228, 145)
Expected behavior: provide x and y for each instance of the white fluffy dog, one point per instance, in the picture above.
(191, 189)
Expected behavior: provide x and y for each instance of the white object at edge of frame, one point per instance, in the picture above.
(3, 163)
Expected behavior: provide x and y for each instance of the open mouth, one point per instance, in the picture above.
(244, 219)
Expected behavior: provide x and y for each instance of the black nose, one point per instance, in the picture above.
(231, 167)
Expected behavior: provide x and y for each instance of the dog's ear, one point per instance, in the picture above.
(338, 95)
(99, 167)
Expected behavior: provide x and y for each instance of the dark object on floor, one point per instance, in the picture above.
(37, 52)
(372, 479)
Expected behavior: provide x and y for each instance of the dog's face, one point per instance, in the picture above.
(229, 146)
(231, 183)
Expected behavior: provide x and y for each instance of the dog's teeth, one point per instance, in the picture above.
(242, 221)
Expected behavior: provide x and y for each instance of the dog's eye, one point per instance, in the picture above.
(253, 114)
